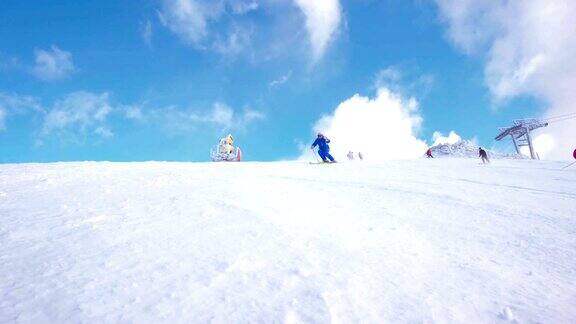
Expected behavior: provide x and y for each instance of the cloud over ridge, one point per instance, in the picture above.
(439, 138)
(382, 128)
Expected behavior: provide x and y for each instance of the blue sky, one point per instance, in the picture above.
(164, 80)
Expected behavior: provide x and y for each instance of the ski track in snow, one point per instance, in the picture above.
(443, 240)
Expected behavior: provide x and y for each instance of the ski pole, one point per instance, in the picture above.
(315, 156)
(569, 165)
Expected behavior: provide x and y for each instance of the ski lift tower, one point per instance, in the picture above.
(520, 134)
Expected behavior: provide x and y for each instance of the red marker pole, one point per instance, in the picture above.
(238, 154)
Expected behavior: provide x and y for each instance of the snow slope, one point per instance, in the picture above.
(431, 240)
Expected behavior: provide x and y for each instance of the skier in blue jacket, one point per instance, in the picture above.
(323, 148)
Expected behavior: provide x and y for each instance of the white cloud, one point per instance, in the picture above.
(133, 112)
(147, 33)
(186, 18)
(9, 62)
(242, 7)
(382, 128)
(83, 112)
(105, 132)
(85, 115)
(176, 120)
(3, 114)
(12, 104)
(225, 117)
(323, 17)
(389, 75)
(237, 40)
(439, 138)
(283, 79)
(249, 116)
(226, 26)
(529, 48)
(405, 79)
(471, 22)
(191, 21)
(222, 115)
(52, 64)
(77, 114)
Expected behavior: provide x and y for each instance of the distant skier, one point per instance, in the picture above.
(350, 155)
(323, 148)
(360, 156)
(483, 155)
(429, 153)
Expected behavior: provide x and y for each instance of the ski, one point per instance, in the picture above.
(322, 162)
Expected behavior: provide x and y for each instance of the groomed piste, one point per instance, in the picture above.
(436, 240)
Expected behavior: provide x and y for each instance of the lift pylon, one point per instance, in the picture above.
(520, 134)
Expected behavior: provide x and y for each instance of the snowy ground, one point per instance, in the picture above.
(420, 241)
